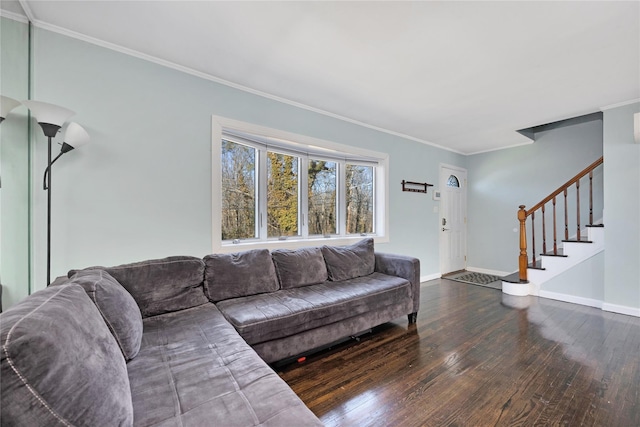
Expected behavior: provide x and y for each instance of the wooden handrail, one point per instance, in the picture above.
(523, 259)
(567, 184)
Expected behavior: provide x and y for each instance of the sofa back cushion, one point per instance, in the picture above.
(301, 267)
(161, 285)
(60, 365)
(117, 307)
(239, 274)
(349, 262)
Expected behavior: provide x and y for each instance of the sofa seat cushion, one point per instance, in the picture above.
(261, 318)
(60, 364)
(193, 369)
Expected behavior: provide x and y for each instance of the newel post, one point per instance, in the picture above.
(523, 258)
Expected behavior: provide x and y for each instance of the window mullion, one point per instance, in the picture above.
(303, 195)
(375, 201)
(261, 220)
(341, 191)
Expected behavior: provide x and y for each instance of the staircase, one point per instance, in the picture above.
(569, 252)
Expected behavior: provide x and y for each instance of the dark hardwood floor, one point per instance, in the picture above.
(473, 359)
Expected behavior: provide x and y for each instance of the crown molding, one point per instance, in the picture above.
(27, 10)
(14, 16)
(205, 76)
(520, 144)
(620, 104)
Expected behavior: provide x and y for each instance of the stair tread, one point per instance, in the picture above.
(513, 278)
(595, 225)
(577, 241)
(538, 266)
(559, 254)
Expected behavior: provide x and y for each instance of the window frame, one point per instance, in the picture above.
(305, 148)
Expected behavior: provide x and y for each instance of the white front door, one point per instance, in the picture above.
(453, 219)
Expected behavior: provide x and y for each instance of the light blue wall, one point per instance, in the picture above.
(142, 188)
(500, 181)
(584, 281)
(14, 164)
(622, 208)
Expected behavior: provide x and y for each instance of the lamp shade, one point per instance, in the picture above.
(48, 113)
(7, 104)
(75, 135)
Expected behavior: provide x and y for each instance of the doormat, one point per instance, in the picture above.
(481, 279)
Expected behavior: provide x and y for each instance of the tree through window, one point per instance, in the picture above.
(238, 191)
(360, 201)
(282, 195)
(272, 188)
(322, 197)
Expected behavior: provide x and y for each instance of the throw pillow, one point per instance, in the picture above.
(239, 274)
(299, 267)
(161, 285)
(348, 262)
(117, 307)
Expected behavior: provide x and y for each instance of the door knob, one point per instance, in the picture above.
(444, 229)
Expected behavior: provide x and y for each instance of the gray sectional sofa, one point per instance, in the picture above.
(184, 341)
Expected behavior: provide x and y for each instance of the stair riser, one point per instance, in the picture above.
(596, 234)
(580, 250)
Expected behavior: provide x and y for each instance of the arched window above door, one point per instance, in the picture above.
(453, 181)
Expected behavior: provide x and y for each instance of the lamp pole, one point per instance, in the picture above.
(50, 131)
(49, 215)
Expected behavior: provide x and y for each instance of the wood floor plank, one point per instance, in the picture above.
(474, 360)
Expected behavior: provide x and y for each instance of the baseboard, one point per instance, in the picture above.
(590, 302)
(622, 309)
(430, 277)
(487, 271)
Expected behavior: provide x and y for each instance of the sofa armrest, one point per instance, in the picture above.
(402, 266)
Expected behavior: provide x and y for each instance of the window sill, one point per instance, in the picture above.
(293, 243)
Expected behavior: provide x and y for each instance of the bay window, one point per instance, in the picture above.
(275, 189)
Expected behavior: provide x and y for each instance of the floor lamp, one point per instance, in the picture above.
(6, 105)
(51, 117)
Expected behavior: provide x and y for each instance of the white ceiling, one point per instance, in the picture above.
(461, 75)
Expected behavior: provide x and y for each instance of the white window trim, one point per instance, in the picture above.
(381, 222)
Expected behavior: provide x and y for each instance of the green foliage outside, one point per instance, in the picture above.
(282, 195)
(239, 195)
(322, 197)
